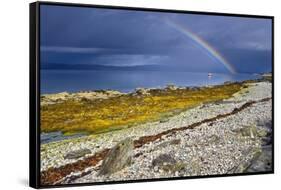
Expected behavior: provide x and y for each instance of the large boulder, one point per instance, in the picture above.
(118, 157)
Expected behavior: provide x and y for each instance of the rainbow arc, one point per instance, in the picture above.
(202, 43)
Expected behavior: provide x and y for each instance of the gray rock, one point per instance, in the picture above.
(250, 131)
(254, 131)
(263, 162)
(77, 154)
(142, 91)
(167, 163)
(118, 157)
(163, 159)
(265, 123)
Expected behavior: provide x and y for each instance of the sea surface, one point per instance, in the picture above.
(57, 136)
(55, 81)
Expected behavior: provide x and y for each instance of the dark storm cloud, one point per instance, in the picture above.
(103, 37)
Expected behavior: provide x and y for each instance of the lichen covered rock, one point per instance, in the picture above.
(118, 157)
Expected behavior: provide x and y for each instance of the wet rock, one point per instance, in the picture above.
(77, 154)
(118, 157)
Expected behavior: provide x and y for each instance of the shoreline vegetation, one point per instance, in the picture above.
(95, 112)
(167, 132)
(99, 111)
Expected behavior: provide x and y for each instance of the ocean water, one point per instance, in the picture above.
(55, 81)
(57, 136)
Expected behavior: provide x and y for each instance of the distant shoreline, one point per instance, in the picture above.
(127, 82)
(85, 96)
(107, 93)
(262, 76)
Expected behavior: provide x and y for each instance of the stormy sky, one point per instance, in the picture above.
(90, 38)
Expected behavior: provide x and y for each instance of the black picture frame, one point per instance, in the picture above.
(34, 90)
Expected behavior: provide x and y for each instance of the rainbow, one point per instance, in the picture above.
(202, 43)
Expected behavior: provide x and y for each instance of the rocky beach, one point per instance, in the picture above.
(227, 135)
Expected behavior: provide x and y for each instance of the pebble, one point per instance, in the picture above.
(218, 156)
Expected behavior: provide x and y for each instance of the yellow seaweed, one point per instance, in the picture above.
(102, 115)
